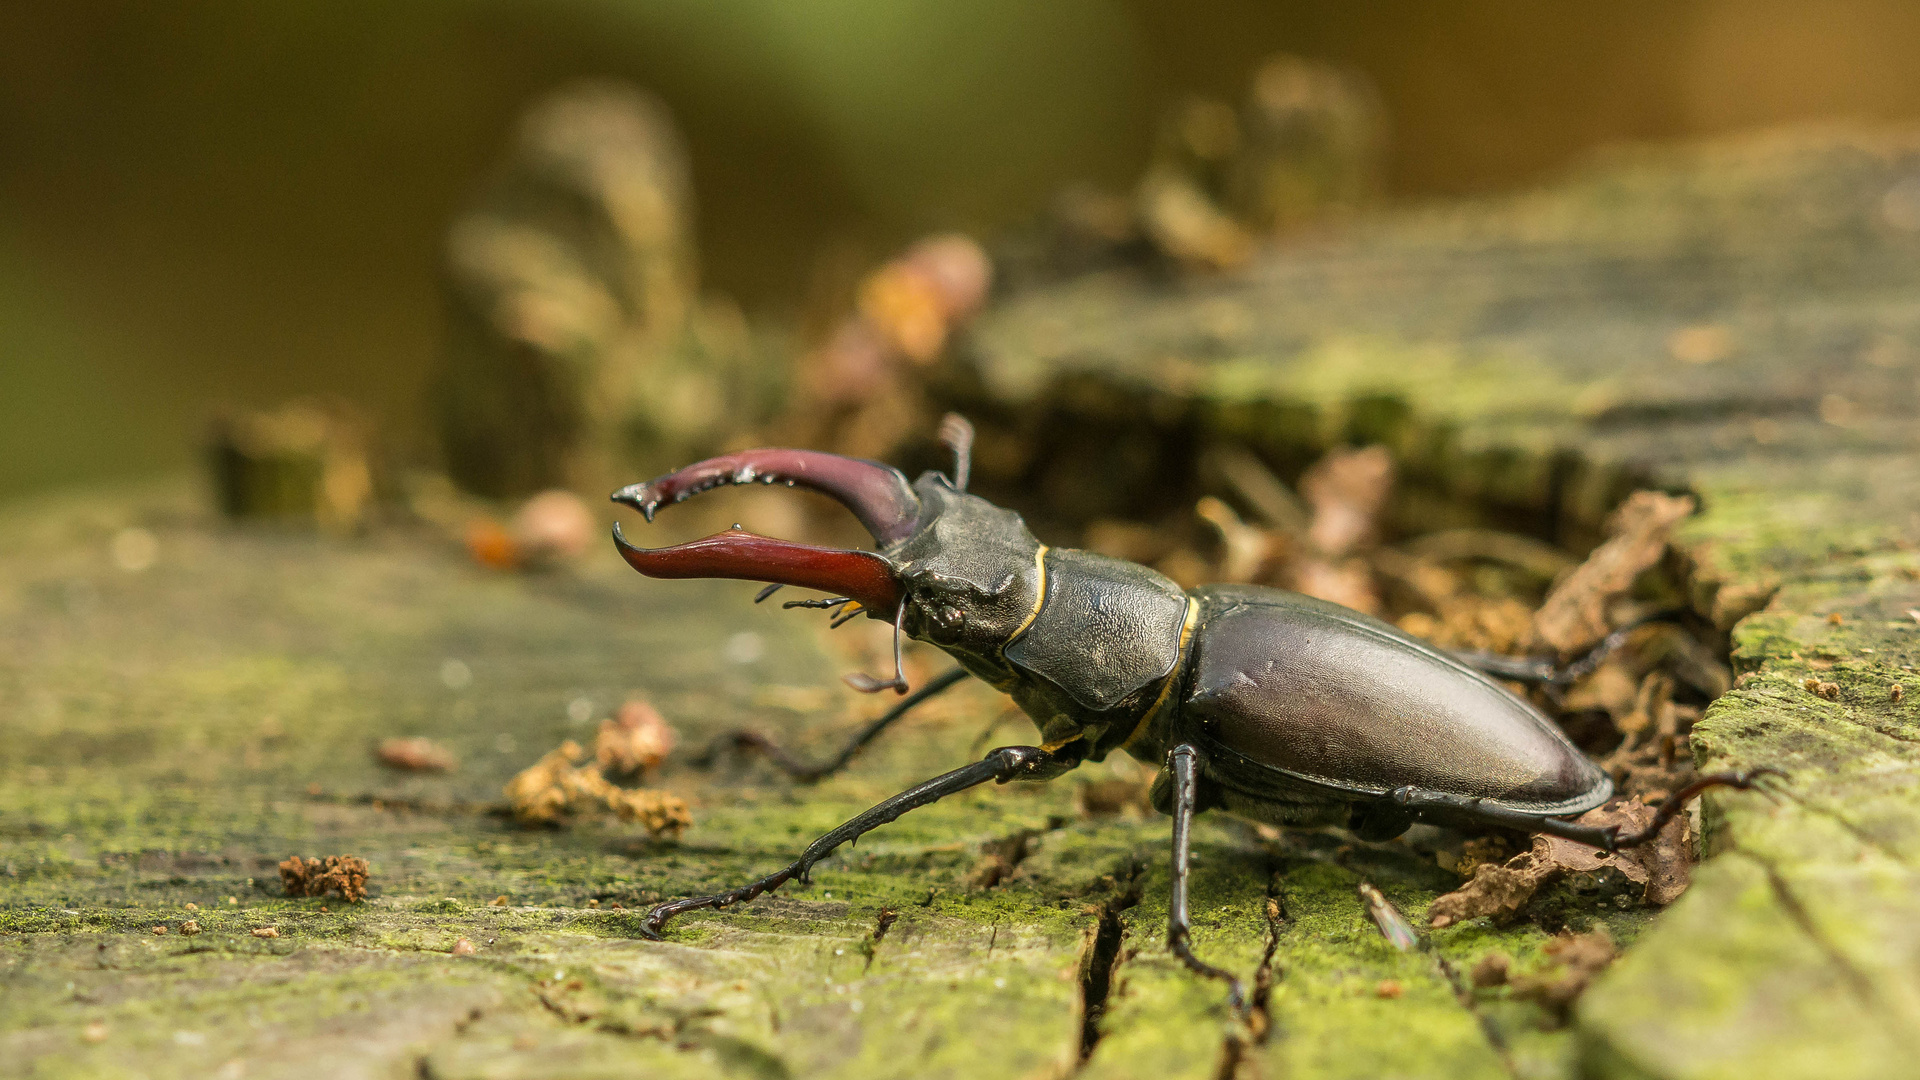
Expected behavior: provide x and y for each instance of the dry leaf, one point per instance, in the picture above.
(1663, 867)
(1574, 616)
(1347, 489)
(1496, 890)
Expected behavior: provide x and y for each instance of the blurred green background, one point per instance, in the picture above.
(208, 201)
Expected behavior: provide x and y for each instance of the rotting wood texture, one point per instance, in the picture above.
(1742, 322)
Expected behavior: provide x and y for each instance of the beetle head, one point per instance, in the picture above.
(953, 568)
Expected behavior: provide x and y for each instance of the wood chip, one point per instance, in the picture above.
(266, 932)
(417, 754)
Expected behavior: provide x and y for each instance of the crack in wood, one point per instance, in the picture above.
(1101, 956)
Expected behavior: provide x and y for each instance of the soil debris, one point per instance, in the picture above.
(550, 528)
(1496, 889)
(1108, 797)
(635, 741)
(1662, 867)
(1660, 870)
(1491, 971)
(341, 875)
(1578, 959)
(189, 928)
(266, 932)
(1822, 689)
(463, 947)
(554, 791)
(417, 754)
(1574, 616)
(1000, 858)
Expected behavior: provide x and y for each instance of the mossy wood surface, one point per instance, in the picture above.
(170, 735)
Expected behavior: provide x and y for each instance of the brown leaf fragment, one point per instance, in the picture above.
(1498, 890)
(635, 741)
(418, 754)
(341, 875)
(1246, 549)
(1574, 615)
(1663, 867)
(1611, 689)
(1347, 489)
(1577, 960)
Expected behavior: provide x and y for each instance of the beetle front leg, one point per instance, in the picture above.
(1179, 930)
(1006, 763)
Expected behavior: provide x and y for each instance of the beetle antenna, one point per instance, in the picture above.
(957, 433)
(866, 683)
(768, 591)
(845, 616)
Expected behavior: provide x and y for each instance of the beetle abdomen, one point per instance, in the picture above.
(1331, 696)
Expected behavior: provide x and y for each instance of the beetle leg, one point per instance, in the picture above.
(1604, 837)
(1006, 763)
(1179, 930)
(1740, 781)
(1544, 670)
(807, 773)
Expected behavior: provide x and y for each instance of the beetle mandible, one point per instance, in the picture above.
(1269, 704)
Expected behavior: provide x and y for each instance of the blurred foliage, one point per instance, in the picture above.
(212, 202)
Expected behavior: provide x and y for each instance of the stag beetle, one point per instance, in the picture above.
(1269, 704)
